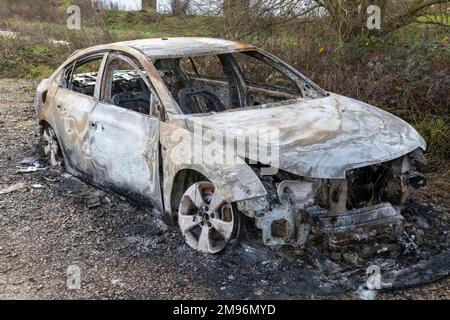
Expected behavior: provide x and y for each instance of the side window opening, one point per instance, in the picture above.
(260, 74)
(63, 78)
(125, 86)
(189, 66)
(85, 76)
(209, 67)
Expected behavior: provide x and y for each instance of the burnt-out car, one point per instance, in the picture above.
(128, 117)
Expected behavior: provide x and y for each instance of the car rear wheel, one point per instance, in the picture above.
(207, 222)
(52, 150)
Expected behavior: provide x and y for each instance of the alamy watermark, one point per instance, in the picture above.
(374, 19)
(374, 278)
(73, 277)
(74, 18)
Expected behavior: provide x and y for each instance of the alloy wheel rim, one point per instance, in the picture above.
(206, 221)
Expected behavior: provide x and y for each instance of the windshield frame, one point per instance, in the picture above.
(308, 88)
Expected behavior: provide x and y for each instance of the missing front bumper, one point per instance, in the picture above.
(361, 220)
(286, 226)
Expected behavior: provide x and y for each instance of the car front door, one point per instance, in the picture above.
(124, 138)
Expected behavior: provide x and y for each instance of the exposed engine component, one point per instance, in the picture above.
(278, 225)
(298, 193)
(367, 203)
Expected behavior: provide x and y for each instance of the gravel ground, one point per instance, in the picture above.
(124, 251)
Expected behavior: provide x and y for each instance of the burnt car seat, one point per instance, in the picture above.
(200, 99)
(191, 98)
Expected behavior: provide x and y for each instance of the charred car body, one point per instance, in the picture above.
(344, 169)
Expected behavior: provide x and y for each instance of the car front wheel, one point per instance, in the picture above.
(208, 223)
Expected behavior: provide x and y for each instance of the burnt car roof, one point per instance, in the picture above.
(184, 47)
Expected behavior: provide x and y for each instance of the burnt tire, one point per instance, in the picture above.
(208, 223)
(51, 149)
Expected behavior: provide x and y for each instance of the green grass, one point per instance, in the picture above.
(436, 131)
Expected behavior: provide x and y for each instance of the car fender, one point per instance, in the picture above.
(39, 98)
(234, 181)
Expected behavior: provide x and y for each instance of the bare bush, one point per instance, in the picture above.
(38, 9)
(344, 18)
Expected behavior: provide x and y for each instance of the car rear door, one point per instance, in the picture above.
(73, 102)
(124, 137)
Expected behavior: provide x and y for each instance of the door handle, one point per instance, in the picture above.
(61, 107)
(96, 125)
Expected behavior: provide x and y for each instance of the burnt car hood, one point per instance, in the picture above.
(322, 138)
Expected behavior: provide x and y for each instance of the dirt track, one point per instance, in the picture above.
(123, 250)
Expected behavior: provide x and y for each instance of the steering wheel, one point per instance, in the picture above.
(204, 91)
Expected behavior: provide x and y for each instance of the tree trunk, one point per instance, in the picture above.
(180, 7)
(149, 4)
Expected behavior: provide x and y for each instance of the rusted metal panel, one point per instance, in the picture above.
(185, 47)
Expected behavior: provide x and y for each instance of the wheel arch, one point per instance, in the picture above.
(235, 181)
(43, 124)
(182, 181)
(243, 186)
